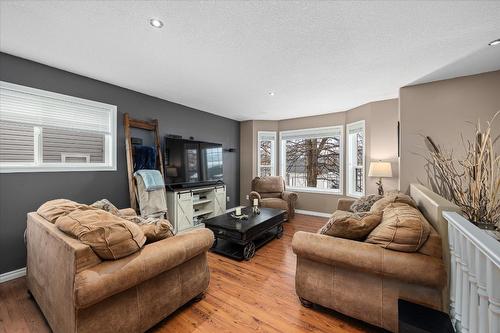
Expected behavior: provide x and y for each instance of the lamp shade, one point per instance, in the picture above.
(380, 169)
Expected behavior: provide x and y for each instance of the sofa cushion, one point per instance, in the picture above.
(270, 195)
(158, 230)
(403, 228)
(351, 225)
(395, 197)
(274, 203)
(106, 206)
(268, 184)
(364, 203)
(109, 236)
(53, 209)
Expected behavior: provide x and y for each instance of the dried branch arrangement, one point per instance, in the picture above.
(472, 183)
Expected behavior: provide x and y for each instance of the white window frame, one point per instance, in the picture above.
(350, 188)
(260, 135)
(38, 165)
(339, 128)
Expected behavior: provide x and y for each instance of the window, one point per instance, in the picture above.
(356, 159)
(45, 131)
(311, 160)
(266, 154)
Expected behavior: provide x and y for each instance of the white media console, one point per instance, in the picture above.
(187, 208)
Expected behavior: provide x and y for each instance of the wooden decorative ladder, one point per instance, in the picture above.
(147, 126)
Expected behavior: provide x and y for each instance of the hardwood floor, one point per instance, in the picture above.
(256, 295)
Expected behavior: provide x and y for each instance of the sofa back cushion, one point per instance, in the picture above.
(268, 184)
(109, 236)
(396, 197)
(267, 195)
(351, 225)
(54, 209)
(403, 228)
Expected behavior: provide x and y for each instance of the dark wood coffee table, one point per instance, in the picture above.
(239, 239)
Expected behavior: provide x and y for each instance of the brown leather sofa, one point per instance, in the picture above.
(364, 280)
(271, 193)
(79, 292)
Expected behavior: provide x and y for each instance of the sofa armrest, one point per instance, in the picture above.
(345, 204)
(289, 197)
(53, 260)
(253, 195)
(113, 276)
(370, 258)
(127, 212)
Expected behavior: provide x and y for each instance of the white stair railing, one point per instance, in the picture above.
(474, 277)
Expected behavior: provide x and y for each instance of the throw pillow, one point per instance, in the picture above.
(403, 228)
(54, 209)
(158, 230)
(397, 197)
(364, 204)
(351, 225)
(106, 206)
(109, 236)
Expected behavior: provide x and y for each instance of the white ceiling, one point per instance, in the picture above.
(224, 57)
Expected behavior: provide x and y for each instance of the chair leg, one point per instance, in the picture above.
(305, 303)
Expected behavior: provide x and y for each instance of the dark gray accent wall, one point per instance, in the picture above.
(21, 193)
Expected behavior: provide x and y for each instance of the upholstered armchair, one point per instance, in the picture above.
(271, 193)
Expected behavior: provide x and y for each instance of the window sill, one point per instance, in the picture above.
(313, 190)
(35, 169)
(357, 195)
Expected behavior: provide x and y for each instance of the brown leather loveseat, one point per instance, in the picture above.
(79, 292)
(365, 280)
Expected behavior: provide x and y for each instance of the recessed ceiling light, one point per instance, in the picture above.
(495, 42)
(156, 23)
(271, 93)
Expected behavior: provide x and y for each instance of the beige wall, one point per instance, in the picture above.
(443, 110)
(381, 143)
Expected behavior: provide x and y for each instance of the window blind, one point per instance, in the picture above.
(28, 106)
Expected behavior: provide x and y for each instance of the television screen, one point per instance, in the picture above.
(211, 161)
(190, 162)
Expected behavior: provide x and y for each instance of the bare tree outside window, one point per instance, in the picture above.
(313, 162)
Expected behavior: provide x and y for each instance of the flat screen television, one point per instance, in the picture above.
(188, 162)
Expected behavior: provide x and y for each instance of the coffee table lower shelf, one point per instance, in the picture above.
(245, 252)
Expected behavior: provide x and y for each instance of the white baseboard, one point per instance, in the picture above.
(12, 275)
(312, 213)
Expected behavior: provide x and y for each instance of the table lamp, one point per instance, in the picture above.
(380, 170)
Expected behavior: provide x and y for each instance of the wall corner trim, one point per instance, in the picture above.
(312, 213)
(4, 277)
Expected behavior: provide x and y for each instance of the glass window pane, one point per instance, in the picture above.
(313, 163)
(16, 142)
(265, 171)
(265, 152)
(359, 148)
(70, 146)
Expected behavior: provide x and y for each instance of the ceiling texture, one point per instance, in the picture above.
(225, 57)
